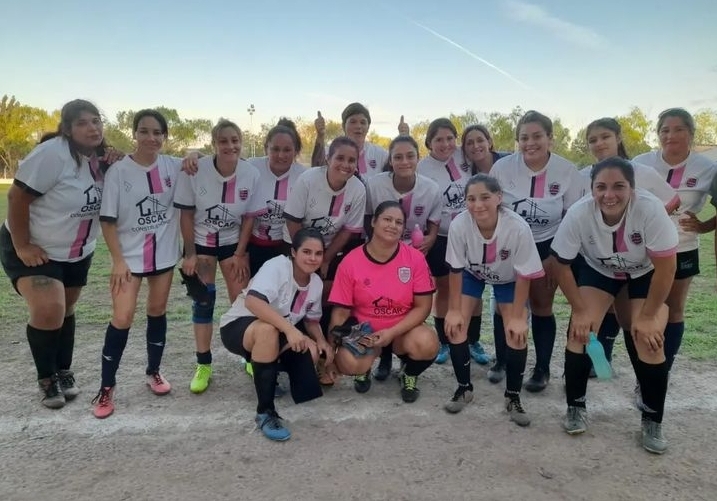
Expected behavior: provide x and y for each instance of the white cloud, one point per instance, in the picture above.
(568, 31)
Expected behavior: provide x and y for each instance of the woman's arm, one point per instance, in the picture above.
(418, 314)
(186, 226)
(430, 238)
(293, 227)
(339, 315)
(337, 244)
(18, 219)
(660, 284)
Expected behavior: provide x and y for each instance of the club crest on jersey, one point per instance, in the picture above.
(691, 182)
(554, 188)
(418, 210)
(404, 274)
(372, 163)
(347, 208)
(243, 194)
(465, 167)
(309, 305)
(504, 254)
(168, 182)
(636, 238)
(366, 282)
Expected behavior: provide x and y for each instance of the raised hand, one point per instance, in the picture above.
(403, 128)
(320, 125)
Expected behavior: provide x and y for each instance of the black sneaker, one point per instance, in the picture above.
(362, 383)
(67, 384)
(409, 392)
(538, 380)
(496, 374)
(51, 392)
(384, 369)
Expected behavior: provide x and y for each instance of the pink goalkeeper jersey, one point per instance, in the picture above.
(381, 294)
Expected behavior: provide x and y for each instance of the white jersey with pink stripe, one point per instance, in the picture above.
(542, 197)
(63, 217)
(140, 200)
(451, 177)
(620, 250)
(314, 204)
(220, 203)
(275, 283)
(510, 253)
(273, 192)
(692, 180)
(421, 204)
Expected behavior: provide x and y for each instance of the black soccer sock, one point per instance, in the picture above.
(44, 345)
(416, 367)
(544, 329)
(156, 339)
(631, 350)
(115, 342)
(653, 385)
(499, 337)
(514, 369)
(461, 360)
(474, 329)
(609, 329)
(66, 344)
(577, 372)
(386, 355)
(673, 339)
(439, 323)
(204, 358)
(265, 385)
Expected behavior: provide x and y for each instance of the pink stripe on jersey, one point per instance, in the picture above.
(453, 171)
(406, 204)
(618, 239)
(362, 163)
(674, 178)
(149, 252)
(533, 276)
(662, 253)
(299, 300)
(281, 189)
(154, 181)
(213, 239)
(80, 239)
(489, 252)
(537, 185)
(229, 189)
(337, 203)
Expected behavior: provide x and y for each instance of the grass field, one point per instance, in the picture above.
(700, 341)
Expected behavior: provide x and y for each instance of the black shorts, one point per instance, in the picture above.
(544, 248)
(232, 335)
(260, 254)
(577, 265)
(221, 253)
(688, 264)
(436, 258)
(153, 273)
(637, 288)
(70, 274)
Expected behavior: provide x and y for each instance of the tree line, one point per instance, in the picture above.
(21, 127)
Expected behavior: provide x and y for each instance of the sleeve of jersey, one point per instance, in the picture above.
(257, 205)
(175, 164)
(423, 284)
(661, 189)
(342, 290)
(660, 234)
(295, 207)
(39, 171)
(267, 281)
(109, 210)
(354, 219)
(184, 197)
(313, 314)
(566, 244)
(575, 190)
(527, 260)
(455, 247)
(370, 188)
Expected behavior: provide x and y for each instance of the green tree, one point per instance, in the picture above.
(706, 127)
(502, 128)
(636, 129)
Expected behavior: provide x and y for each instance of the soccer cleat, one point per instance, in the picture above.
(157, 384)
(516, 412)
(103, 404)
(576, 420)
(362, 383)
(538, 380)
(201, 379)
(67, 384)
(52, 396)
(496, 374)
(462, 397)
(652, 438)
(272, 426)
(384, 369)
(443, 353)
(249, 369)
(409, 392)
(478, 354)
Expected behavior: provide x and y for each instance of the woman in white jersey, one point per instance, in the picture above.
(691, 175)
(479, 153)
(420, 199)
(604, 138)
(445, 166)
(263, 326)
(141, 228)
(217, 207)
(47, 241)
(540, 186)
(278, 171)
(629, 244)
(488, 243)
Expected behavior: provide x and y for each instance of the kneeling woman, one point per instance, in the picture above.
(387, 284)
(489, 244)
(261, 326)
(629, 244)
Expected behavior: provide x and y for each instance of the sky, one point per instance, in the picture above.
(570, 59)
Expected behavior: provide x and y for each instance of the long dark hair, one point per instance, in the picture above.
(70, 112)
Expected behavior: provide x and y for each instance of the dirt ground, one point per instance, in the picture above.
(345, 445)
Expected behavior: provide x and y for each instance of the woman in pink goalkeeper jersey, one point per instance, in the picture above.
(218, 205)
(48, 239)
(539, 186)
(691, 175)
(387, 284)
(141, 228)
(629, 245)
(490, 244)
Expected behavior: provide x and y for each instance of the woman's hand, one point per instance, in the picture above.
(240, 266)
(403, 128)
(648, 330)
(517, 330)
(326, 349)
(119, 277)
(32, 255)
(111, 156)
(689, 222)
(297, 341)
(428, 241)
(190, 163)
(580, 326)
(454, 324)
(189, 264)
(379, 339)
(320, 126)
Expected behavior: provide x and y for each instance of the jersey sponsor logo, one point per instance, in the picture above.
(404, 274)
(454, 196)
(274, 212)
(418, 210)
(636, 238)
(483, 272)
(218, 216)
(152, 214)
(529, 210)
(347, 208)
(324, 224)
(93, 201)
(385, 306)
(372, 163)
(243, 194)
(691, 182)
(504, 254)
(554, 188)
(619, 263)
(168, 182)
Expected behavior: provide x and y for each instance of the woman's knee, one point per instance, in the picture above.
(347, 364)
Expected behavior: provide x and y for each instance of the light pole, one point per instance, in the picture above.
(251, 111)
